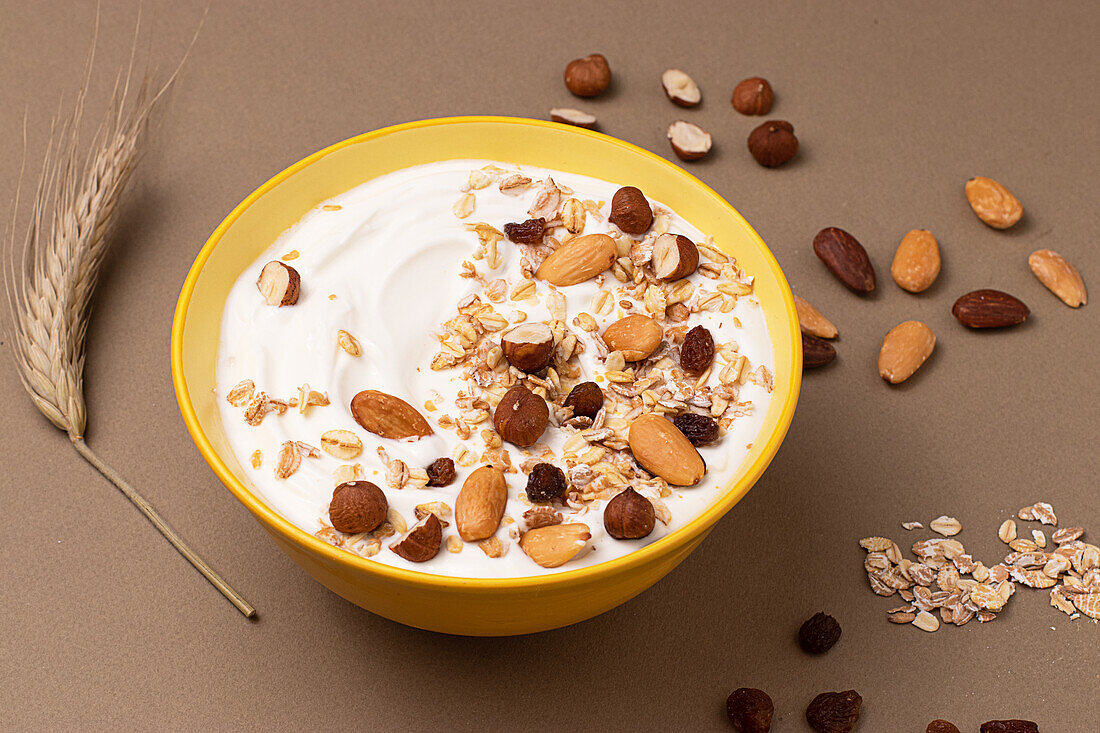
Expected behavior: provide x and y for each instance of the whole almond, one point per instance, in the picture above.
(989, 309)
(993, 203)
(1060, 277)
(846, 258)
(578, 260)
(917, 261)
(556, 544)
(904, 349)
(636, 336)
(663, 450)
(816, 351)
(480, 504)
(812, 322)
(422, 543)
(388, 416)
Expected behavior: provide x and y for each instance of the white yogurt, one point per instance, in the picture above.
(391, 256)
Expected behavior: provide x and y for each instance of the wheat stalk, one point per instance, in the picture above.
(50, 279)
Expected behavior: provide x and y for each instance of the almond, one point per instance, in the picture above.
(688, 140)
(279, 283)
(629, 515)
(422, 542)
(846, 258)
(342, 444)
(521, 416)
(357, 506)
(917, 261)
(680, 88)
(904, 349)
(555, 544)
(816, 352)
(993, 203)
(674, 257)
(636, 336)
(1060, 277)
(578, 260)
(574, 117)
(388, 416)
(630, 211)
(989, 309)
(663, 450)
(480, 504)
(529, 346)
(812, 322)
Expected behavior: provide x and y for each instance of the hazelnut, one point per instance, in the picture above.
(586, 399)
(279, 283)
(773, 143)
(753, 96)
(688, 141)
(422, 543)
(629, 516)
(529, 346)
(521, 416)
(589, 76)
(357, 506)
(674, 257)
(573, 117)
(546, 482)
(680, 88)
(637, 336)
(630, 211)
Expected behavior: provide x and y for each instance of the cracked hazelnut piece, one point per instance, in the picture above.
(588, 76)
(422, 543)
(773, 143)
(688, 141)
(753, 96)
(630, 211)
(528, 346)
(574, 117)
(279, 283)
(357, 506)
(636, 336)
(680, 88)
(586, 399)
(388, 416)
(629, 516)
(521, 416)
(674, 257)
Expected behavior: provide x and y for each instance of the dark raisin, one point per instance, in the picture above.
(818, 634)
(941, 726)
(697, 351)
(834, 712)
(1009, 726)
(546, 482)
(699, 429)
(441, 472)
(528, 232)
(750, 710)
(816, 351)
(586, 399)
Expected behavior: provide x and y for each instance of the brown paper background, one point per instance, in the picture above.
(895, 105)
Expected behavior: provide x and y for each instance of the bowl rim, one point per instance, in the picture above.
(735, 489)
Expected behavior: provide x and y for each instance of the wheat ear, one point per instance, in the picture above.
(49, 284)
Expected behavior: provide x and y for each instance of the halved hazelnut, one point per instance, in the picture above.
(357, 506)
(528, 346)
(279, 283)
(521, 416)
(636, 336)
(422, 543)
(630, 211)
(674, 257)
(680, 88)
(629, 516)
(574, 117)
(588, 76)
(688, 141)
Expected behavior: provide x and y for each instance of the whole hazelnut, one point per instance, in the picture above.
(357, 506)
(629, 516)
(529, 346)
(589, 76)
(521, 416)
(753, 96)
(586, 399)
(773, 143)
(630, 211)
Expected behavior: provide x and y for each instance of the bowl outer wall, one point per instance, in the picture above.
(475, 606)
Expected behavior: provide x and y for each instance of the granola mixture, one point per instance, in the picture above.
(409, 287)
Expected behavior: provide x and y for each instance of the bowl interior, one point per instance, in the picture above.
(279, 203)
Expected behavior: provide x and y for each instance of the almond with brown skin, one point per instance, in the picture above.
(574, 117)
(674, 257)
(588, 76)
(993, 203)
(579, 259)
(753, 96)
(811, 321)
(688, 140)
(556, 544)
(529, 346)
(846, 258)
(680, 88)
(636, 336)
(388, 416)
(629, 516)
(816, 352)
(1060, 277)
(480, 504)
(904, 349)
(989, 309)
(521, 416)
(663, 450)
(422, 542)
(357, 506)
(917, 261)
(630, 211)
(279, 283)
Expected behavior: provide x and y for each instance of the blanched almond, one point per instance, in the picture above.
(993, 203)
(663, 450)
(904, 349)
(480, 504)
(578, 260)
(1060, 277)
(917, 261)
(556, 544)
(811, 321)
(388, 416)
(636, 336)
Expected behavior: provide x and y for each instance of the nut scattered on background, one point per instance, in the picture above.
(989, 309)
(575, 117)
(846, 258)
(816, 352)
(688, 140)
(1060, 277)
(811, 321)
(917, 261)
(773, 143)
(588, 76)
(993, 203)
(680, 88)
(904, 349)
(753, 96)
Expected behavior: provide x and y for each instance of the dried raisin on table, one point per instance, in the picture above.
(750, 710)
(699, 429)
(1009, 726)
(834, 712)
(697, 351)
(818, 634)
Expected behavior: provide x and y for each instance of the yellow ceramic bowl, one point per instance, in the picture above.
(472, 606)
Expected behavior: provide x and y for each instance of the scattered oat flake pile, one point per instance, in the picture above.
(935, 581)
